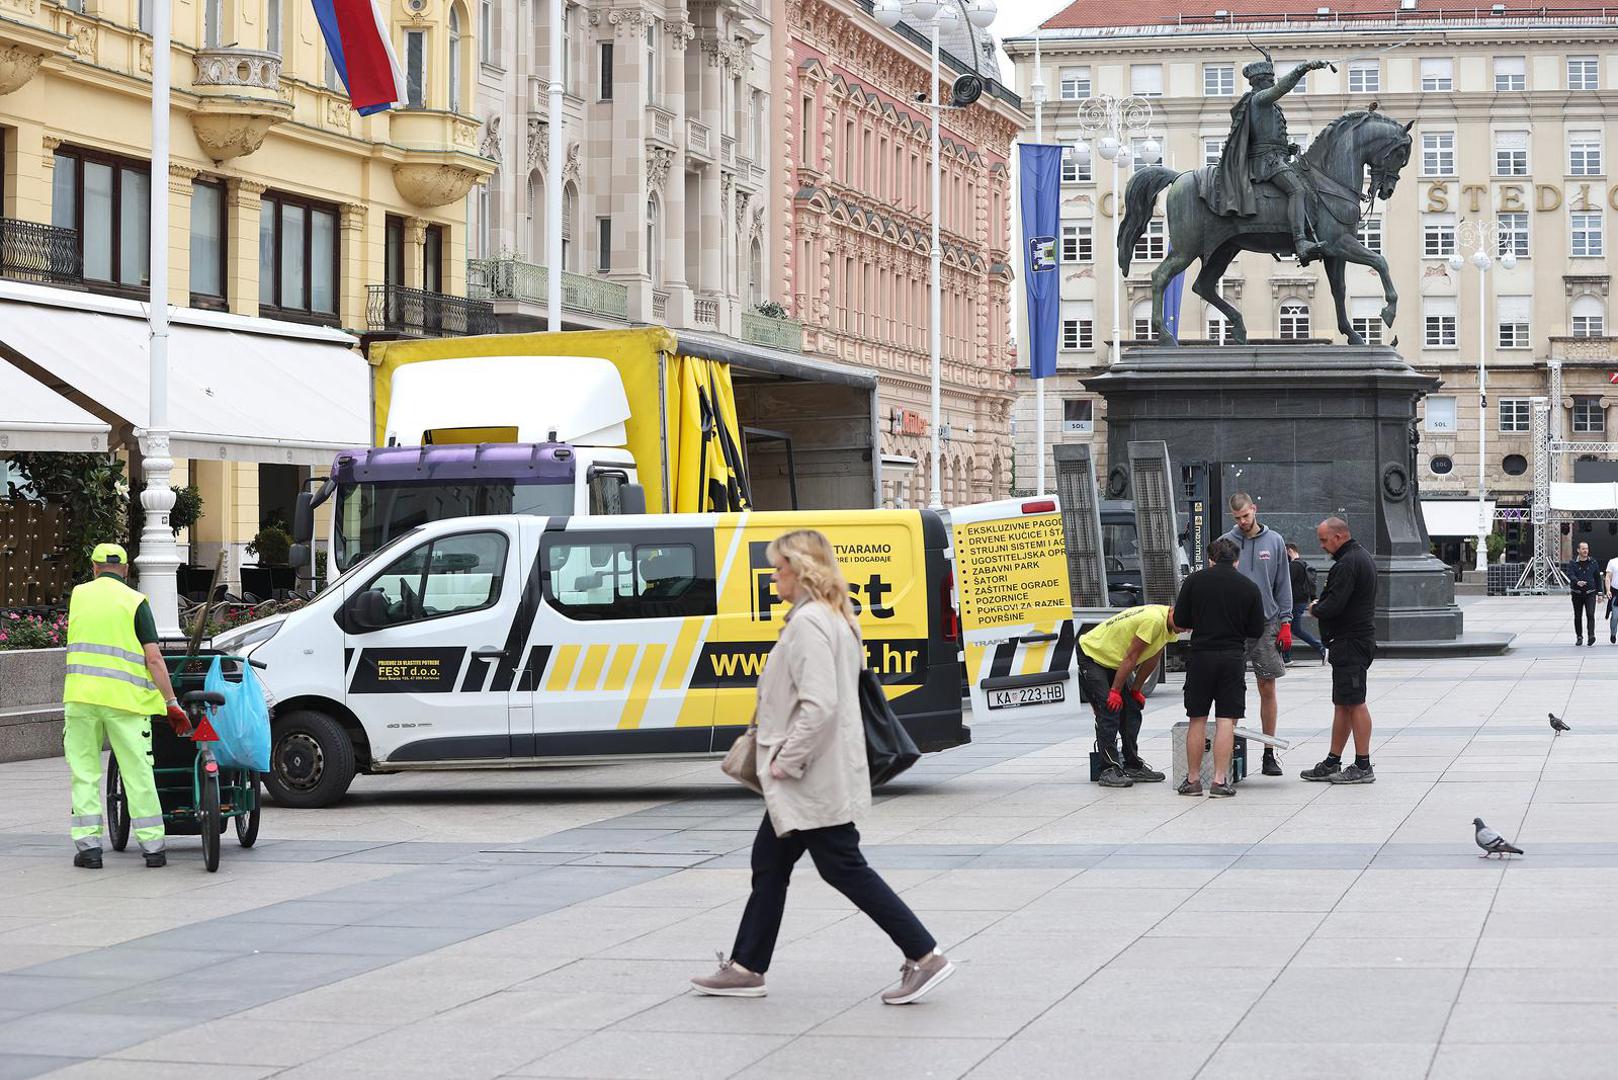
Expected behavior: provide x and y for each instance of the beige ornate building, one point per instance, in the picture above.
(852, 211)
(295, 227)
(667, 130)
(1514, 130)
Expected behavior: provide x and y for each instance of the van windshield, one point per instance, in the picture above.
(373, 513)
(1120, 544)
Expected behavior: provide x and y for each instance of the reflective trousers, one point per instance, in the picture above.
(130, 735)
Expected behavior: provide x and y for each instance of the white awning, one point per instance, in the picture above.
(34, 417)
(1584, 498)
(1455, 517)
(240, 388)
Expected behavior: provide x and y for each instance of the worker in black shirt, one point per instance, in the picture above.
(1345, 609)
(1223, 610)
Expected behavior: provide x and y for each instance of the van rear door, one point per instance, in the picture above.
(1015, 608)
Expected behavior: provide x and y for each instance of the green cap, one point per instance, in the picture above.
(109, 553)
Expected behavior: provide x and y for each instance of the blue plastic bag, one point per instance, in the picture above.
(242, 722)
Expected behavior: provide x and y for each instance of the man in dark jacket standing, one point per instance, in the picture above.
(1584, 585)
(1345, 610)
(1222, 609)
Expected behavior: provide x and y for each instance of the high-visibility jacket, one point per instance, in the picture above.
(105, 661)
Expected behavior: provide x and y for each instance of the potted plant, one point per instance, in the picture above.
(1497, 546)
(272, 547)
(770, 309)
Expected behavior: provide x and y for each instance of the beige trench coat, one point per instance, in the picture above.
(809, 723)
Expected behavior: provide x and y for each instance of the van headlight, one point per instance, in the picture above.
(245, 637)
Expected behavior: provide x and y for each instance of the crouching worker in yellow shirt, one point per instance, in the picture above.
(116, 684)
(1116, 659)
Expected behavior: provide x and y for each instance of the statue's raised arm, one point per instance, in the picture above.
(1283, 85)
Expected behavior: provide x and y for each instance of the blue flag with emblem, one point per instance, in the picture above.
(1041, 192)
(1171, 299)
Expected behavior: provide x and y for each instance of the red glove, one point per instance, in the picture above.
(1139, 698)
(179, 721)
(1284, 638)
(1115, 701)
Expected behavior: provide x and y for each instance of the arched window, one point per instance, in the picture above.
(534, 235)
(1294, 320)
(455, 59)
(1141, 313)
(1587, 317)
(653, 261)
(755, 263)
(570, 207)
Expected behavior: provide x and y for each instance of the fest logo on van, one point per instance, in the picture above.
(863, 564)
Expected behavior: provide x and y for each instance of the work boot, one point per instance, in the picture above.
(88, 859)
(1113, 776)
(1271, 767)
(731, 980)
(155, 859)
(1142, 773)
(918, 977)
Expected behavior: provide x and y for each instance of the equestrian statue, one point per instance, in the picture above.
(1264, 195)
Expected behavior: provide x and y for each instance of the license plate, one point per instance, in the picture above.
(1027, 695)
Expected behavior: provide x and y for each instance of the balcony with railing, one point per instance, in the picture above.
(513, 279)
(1591, 349)
(776, 333)
(396, 309)
(43, 254)
(698, 141)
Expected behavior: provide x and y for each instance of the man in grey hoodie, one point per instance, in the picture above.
(1263, 560)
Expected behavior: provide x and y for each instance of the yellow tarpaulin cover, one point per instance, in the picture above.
(703, 452)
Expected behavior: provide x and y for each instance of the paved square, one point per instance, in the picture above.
(543, 923)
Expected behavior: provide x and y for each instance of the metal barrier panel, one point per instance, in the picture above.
(1081, 522)
(1154, 483)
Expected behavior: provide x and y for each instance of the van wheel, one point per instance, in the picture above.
(311, 760)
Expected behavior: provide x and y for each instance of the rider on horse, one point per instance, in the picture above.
(1258, 150)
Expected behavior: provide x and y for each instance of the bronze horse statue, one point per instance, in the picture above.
(1335, 166)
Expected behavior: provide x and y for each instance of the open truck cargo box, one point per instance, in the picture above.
(793, 432)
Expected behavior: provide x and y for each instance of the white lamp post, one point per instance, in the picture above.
(890, 13)
(1481, 237)
(553, 178)
(1111, 122)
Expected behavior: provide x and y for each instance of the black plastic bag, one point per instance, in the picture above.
(889, 749)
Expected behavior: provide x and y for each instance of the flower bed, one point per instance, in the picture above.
(21, 630)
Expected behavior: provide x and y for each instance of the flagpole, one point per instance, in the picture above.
(553, 180)
(1039, 383)
(159, 557)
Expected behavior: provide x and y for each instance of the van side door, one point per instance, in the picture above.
(623, 618)
(421, 638)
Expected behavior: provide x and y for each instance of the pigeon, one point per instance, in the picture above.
(1557, 725)
(1492, 842)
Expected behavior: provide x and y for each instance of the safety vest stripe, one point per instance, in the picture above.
(108, 650)
(147, 822)
(81, 821)
(144, 682)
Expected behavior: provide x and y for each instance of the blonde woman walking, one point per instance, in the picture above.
(811, 765)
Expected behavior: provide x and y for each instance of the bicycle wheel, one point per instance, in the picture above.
(117, 807)
(247, 824)
(210, 821)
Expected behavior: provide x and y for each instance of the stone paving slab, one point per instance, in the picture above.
(543, 923)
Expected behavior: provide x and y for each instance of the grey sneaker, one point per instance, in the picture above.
(1113, 776)
(1221, 791)
(1142, 773)
(1324, 771)
(1190, 787)
(729, 981)
(918, 977)
(1353, 774)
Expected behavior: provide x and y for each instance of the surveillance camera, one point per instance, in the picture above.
(921, 96)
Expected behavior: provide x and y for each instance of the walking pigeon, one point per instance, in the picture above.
(1557, 725)
(1492, 842)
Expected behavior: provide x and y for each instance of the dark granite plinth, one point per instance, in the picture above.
(1310, 431)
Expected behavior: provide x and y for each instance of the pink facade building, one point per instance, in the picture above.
(853, 218)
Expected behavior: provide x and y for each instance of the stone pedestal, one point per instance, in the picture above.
(1310, 431)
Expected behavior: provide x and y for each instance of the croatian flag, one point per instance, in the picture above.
(357, 37)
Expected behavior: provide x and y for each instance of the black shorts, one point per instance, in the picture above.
(1218, 679)
(1350, 661)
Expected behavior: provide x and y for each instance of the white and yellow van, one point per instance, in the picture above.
(518, 640)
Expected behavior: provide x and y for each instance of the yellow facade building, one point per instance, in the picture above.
(296, 227)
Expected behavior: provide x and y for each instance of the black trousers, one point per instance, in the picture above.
(836, 852)
(1585, 604)
(1110, 726)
